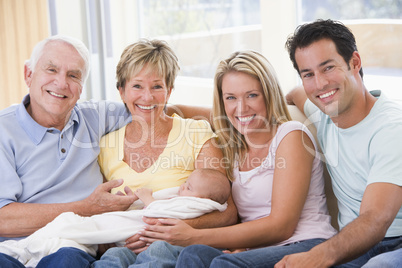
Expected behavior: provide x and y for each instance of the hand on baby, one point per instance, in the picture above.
(127, 191)
(144, 194)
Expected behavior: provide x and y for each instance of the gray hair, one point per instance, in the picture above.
(77, 44)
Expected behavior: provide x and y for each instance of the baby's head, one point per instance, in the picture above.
(206, 183)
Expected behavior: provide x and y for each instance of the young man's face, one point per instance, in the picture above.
(328, 80)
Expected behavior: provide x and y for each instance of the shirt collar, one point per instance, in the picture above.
(35, 131)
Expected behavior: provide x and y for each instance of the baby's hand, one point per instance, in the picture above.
(143, 192)
(145, 195)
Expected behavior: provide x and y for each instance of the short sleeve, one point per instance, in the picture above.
(313, 113)
(202, 133)
(386, 156)
(195, 132)
(11, 186)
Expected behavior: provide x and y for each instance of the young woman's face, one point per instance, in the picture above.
(244, 102)
(145, 95)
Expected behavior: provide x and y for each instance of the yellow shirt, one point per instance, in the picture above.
(174, 164)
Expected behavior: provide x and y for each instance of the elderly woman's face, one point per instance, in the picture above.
(145, 95)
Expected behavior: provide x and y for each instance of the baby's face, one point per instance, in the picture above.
(192, 187)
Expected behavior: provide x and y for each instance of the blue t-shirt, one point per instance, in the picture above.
(45, 165)
(368, 152)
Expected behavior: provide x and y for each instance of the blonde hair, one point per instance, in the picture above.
(156, 54)
(232, 142)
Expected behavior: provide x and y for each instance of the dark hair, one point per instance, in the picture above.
(335, 31)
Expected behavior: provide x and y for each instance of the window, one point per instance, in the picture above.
(201, 32)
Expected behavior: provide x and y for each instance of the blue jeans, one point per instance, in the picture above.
(159, 255)
(205, 256)
(386, 245)
(391, 259)
(64, 257)
(9, 262)
(67, 257)
(118, 257)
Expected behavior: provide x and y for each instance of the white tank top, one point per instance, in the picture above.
(252, 192)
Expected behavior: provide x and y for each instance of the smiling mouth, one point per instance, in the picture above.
(148, 107)
(245, 119)
(56, 95)
(326, 95)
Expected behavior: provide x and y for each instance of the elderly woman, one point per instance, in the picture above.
(155, 150)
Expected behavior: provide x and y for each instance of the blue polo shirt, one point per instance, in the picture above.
(45, 165)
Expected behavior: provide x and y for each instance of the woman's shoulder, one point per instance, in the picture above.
(290, 126)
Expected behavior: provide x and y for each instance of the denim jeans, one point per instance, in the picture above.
(391, 259)
(9, 262)
(386, 245)
(64, 257)
(67, 258)
(205, 256)
(159, 255)
(118, 257)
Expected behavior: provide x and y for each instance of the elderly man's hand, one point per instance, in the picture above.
(101, 200)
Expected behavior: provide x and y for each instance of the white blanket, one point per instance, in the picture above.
(85, 233)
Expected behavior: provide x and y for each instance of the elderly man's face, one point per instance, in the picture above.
(56, 84)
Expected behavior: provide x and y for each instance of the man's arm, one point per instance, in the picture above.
(381, 202)
(22, 219)
(298, 97)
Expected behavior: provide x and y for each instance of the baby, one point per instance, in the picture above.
(202, 183)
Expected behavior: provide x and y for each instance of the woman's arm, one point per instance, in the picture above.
(290, 187)
(211, 156)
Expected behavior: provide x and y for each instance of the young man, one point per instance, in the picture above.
(358, 135)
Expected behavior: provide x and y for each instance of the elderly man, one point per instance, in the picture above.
(358, 135)
(49, 146)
